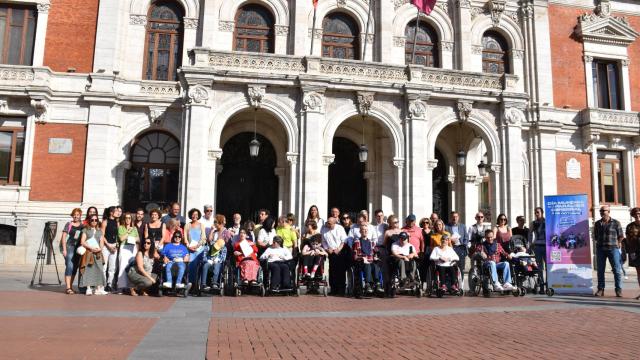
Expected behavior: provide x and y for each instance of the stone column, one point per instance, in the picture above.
(292, 158)
(197, 172)
(451, 180)
(428, 186)
(463, 35)
(280, 173)
(370, 179)
(107, 46)
(626, 84)
(209, 22)
(282, 39)
(300, 27)
(41, 33)
(419, 177)
(401, 204)
(189, 39)
(595, 181)
(134, 46)
(384, 30)
(511, 132)
(471, 202)
(496, 190)
(314, 161)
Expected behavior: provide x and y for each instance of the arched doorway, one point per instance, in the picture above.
(347, 186)
(245, 184)
(152, 180)
(441, 187)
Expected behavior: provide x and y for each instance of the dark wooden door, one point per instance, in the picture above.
(347, 186)
(441, 188)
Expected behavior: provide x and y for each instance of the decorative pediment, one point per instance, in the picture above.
(602, 27)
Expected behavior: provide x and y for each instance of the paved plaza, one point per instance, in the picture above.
(44, 323)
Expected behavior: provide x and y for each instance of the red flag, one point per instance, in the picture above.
(424, 5)
(315, 4)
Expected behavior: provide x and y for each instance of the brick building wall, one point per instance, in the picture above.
(574, 186)
(58, 177)
(634, 66)
(569, 86)
(71, 34)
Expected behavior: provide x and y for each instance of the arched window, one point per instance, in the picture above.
(254, 30)
(163, 53)
(153, 176)
(494, 53)
(340, 37)
(427, 45)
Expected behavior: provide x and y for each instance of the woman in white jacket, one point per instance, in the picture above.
(444, 256)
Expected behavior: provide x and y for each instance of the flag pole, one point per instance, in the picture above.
(366, 32)
(313, 28)
(415, 36)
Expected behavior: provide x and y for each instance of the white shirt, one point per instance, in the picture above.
(234, 229)
(266, 237)
(380, 230)
(355, 231)
(405, 249)
(332, 238)
(208, 224)
(279, 254)
(447, 252)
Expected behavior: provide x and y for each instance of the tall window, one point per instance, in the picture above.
(11, 151)
(494, 54)
(153, 177)
(606, 84)
(427, 45)
(254, 30)
(164, 41)
(17, 34)
(611, 176)
(340, 37)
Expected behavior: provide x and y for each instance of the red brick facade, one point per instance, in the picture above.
(71, 35)
(58, 177)
(634, 66)
(574, 186)
(569, 86)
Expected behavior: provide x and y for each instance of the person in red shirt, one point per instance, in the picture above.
(416, 239)
(493, 254)
(247, 261)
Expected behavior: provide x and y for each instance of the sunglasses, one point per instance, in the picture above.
(479, 217)
(93, 220)
(147, 242)
(208, 211)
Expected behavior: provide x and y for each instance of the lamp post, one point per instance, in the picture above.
(482, 169)
(363, 152)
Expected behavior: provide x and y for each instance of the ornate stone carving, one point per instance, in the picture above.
(611, 118)
(517, 53)
(625, 62)
(198, 94)
(20, 221)
(160, 88)
(461, 79)
(496, 168)
(226, 26)
(476, 11)
(615, 141)
(446, 45)
(16, 74)
(369, 37)
(513, 116)
(513, 15)
(255, 94)
(4, 105)
(417, 109)
(156, 115)
(451, 178)
(368, 71)
(328, 159)
(43, 7)
(444, 6)
(432, 164)
(399, 41)
(603, 9)
(190, 23)
(602, 27)
(282, 30)
(589, 138)
(243, 61)
(464, 108)
(316, 33)
(476, 49)
(215, 154)
(587, 59)
(364, 100)
(399, 163)
(398, 3)
(313, 101)
(341, 3)
(496, 7)
(470, 178)
(41, 109)
(292, 158)
(464, 4)
(135, 19)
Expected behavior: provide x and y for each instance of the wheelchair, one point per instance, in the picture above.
(196, 288)
(175, 290)
(434, 286)
(237, 288)
(290, 290)
(317, 285)
(480, 281)
(356, 281)
(410, 286)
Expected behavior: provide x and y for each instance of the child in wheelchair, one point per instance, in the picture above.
(445, 259)
(313, 255)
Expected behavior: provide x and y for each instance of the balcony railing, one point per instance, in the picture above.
(606, 117)
(349, 70)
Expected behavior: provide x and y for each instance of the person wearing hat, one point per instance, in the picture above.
(403, 252)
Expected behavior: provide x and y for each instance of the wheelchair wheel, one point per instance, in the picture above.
(419, 292)
(392, 292)
(460, 292)
(515, 292)
(439, 293)
(523, 291)
(263, 291)
(550, 292)
(222, 288)
(187, 288)
(324, 291)
(238, 292)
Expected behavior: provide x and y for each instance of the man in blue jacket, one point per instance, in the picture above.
(459, 239)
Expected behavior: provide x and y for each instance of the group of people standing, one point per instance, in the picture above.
(124, 251)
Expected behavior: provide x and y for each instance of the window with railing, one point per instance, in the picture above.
(426, 52)
(17, 34)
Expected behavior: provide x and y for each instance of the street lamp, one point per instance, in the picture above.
(482, 169)
(461, 158)
(254, 145)
(363, 152)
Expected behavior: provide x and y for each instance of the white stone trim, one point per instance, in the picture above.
(191, 7)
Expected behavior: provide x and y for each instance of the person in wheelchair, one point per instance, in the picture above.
(313, 255)
(445, 259)
(175, 254)
(363, 253)
(492, 255)
(215, 256)
(404, 255)
(246, 258)
(278, 258)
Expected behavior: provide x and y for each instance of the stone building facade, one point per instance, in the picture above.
(142, 102)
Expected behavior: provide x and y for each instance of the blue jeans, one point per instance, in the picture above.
(194, 259)
(169, 276)
(506, 271)
(71, 261)
(216, 273)
(614, 260)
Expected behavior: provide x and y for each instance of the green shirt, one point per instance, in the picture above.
(288, 236)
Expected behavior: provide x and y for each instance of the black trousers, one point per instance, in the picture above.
(461, 250)
(280, 274)
(337, 274)
(447, 275)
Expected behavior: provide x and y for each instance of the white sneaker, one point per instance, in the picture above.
(497, 287)
(508, 286)
(626, 277)
(166, 284)
(179, 286)
(100, 291)
(89, 292)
